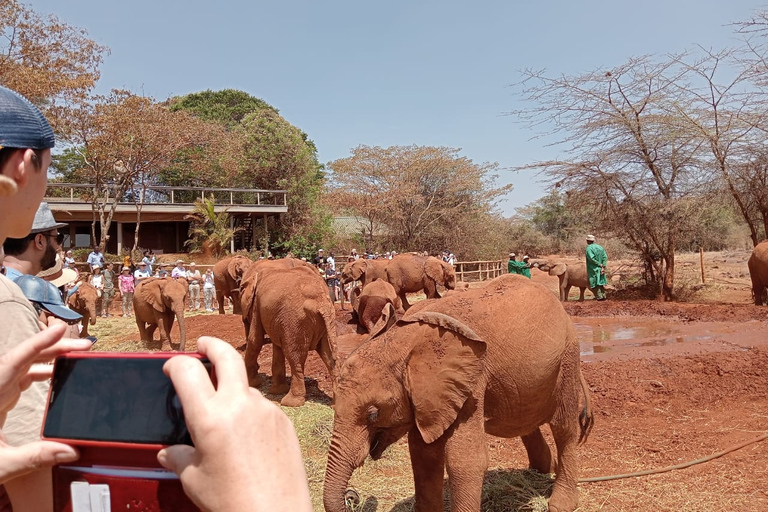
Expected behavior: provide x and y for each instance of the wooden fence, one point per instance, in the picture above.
(479, 270)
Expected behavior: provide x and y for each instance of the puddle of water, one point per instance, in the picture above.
(600, 336)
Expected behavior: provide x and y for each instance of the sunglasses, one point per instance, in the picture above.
(59, 238)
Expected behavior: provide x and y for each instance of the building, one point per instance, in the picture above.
(164, 226)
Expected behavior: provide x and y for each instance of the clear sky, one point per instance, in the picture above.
(391, 72)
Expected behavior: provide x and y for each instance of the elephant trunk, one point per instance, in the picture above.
(182, 328)
(92, 313)
(344, 455)
(237, 308)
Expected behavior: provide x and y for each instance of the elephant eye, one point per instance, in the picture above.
(373, 414)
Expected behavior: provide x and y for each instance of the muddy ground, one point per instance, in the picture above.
(670, 383)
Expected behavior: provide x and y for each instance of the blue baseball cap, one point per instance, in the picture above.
(22, 125)
(47, 295)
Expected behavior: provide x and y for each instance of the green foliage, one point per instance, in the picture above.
(209, 230)
(228, 106)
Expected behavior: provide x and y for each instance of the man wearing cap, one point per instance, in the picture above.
(597, 259)
(46, 299)
(37, 251)
(514, 266)
(526, 268)
(179, 270)
(26, 140)
(141, 273)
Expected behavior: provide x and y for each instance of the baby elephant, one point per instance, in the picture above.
(569, 275)
(372, 300)
(452, 371)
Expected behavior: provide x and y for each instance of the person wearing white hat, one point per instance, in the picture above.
(597, 259)
(513, 266)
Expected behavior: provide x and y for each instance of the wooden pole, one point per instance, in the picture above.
(701, 257)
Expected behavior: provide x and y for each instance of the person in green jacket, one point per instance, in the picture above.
(597, 259)
(512, 264)
(518, 267)
(526, 269)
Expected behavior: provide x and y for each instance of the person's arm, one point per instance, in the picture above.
(225, 469)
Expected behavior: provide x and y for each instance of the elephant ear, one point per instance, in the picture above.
(150, 291)
(385, 322)
(433, 268)
(441, 373)
(558, 269)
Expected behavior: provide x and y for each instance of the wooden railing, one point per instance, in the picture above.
(173, 195)
(479, 270)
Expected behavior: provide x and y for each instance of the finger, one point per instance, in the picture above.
(231, 376)
(62, 347)
(17, 461)
(20, 358)
(39, 372)
(192, 383)
(177, 458)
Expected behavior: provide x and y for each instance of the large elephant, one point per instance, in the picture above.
(450, 372)
(227, 274)
(156, 302)
(758, 272)
(410, 273)
(84, 301)
(364, 270)
(292, 307)
(372, 301)
(569, 276)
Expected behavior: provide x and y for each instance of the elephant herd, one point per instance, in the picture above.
(444, 371)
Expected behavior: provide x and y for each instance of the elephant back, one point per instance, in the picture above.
(506, 306)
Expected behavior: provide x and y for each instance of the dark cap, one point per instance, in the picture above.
(47, 295)
(22, 125)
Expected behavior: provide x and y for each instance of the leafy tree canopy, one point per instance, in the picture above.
(228, 106)
(44, 58)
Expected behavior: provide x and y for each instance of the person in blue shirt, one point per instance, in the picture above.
(96, 257)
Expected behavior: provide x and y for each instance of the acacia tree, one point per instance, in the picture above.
(631, 158)
(43, 58)
(123, 141)
(427, 198)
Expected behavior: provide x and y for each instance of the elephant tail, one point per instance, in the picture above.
(586, 417)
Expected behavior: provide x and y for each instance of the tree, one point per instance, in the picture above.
(427, 198)
(267, 152)
(209, 231)
(43, 58)
(122, 141)
(631, 159)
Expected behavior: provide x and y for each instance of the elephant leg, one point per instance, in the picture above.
(566, 293)
(565, 494)
(165, 330)
(142, 330)
(279, 386)
(297, 395)
(431, 290)
(466, 473)
(326, 354)
(404, 301)
(254, 342)
(581, 294)
(539, 455)
(220, 300)
(151, 331)
(428, 465)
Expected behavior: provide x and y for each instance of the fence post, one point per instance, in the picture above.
(701, 257)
